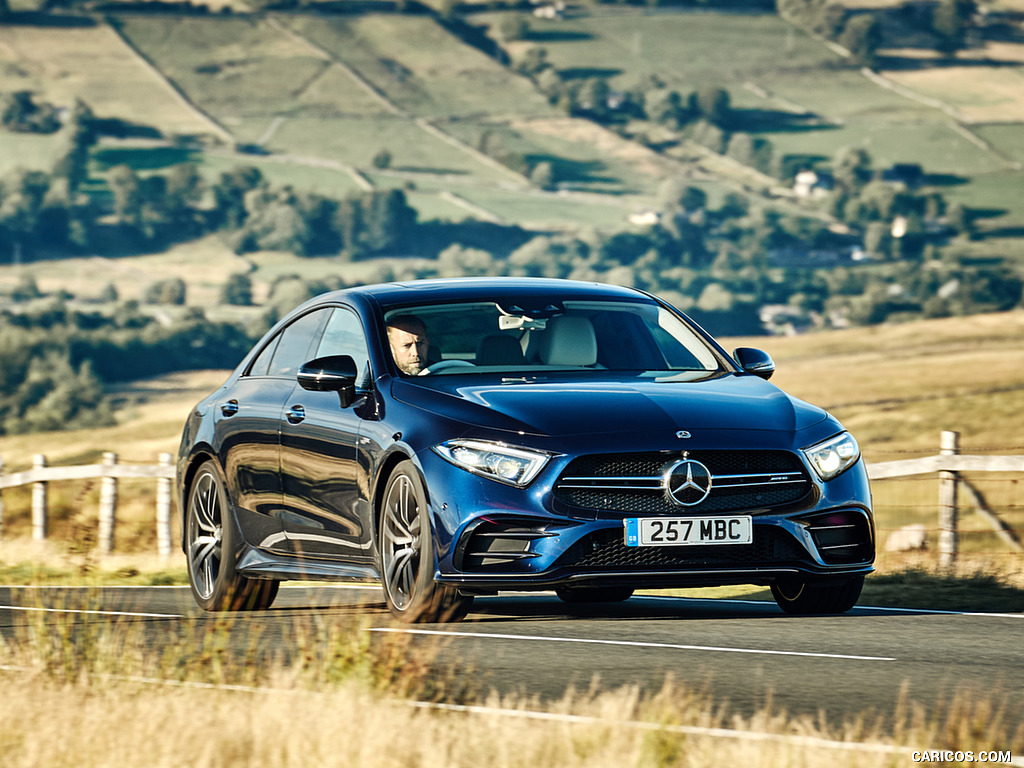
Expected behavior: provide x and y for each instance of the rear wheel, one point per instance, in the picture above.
(575, 595)
(407, 554)
(803, 597)
(210, 538)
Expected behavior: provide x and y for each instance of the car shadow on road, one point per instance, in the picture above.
(550, 608)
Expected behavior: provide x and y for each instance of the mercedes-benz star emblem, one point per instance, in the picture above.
(687, 482)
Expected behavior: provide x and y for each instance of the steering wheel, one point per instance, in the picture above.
(443, 365)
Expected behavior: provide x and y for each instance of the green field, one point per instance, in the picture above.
(686, 50)
(31, 151)
(1006, 138)
(935, 146)
(421, 68)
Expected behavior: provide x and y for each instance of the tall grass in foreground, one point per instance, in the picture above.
(78, 692)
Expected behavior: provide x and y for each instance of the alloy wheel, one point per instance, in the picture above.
(402, 542)
(205, 534)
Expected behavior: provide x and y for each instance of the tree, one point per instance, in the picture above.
(388, 219)
(350, 225)
(950, 19)
(715, 105)
(229, 194)
(123, 183)
(861, 37)
(22, 196)
(183, 192)
(237, 291)
(959, 218)
(543, 175)
(170, 291)
(664, 106)
(513, 26)
(533, 61)
(851, 167)
(457, 261)
(448, 10)
(593, 97)
(382, 159)
(20, 112)
(108, 293)
(877, 240)
(734, 205)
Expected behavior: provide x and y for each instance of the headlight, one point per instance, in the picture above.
(833, 456)
(515, 466)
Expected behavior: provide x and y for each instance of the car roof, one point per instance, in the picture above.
(486, 288)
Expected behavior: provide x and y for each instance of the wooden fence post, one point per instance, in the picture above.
(163, 510)
(39, 513)
(108, 506)
(949, 445)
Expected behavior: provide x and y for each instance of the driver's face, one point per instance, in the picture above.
(409, 348)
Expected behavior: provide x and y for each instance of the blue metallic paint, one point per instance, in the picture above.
(400, 418)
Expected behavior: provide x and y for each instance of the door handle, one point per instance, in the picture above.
(230, 408)
(295, 414)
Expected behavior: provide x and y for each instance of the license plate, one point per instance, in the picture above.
(683, 531)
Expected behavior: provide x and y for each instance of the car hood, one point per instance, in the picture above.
(572, 406)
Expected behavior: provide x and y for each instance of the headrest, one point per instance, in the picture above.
(499, 349)
(568, 340)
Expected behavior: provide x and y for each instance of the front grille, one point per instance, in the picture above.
(633, 483)
(605, 550)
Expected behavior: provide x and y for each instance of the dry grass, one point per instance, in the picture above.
(87, 694)
(62, 64)
(203, 264)
(897, 386)
(982, 94)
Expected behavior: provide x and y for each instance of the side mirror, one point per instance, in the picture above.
(754, 361)
(335, 373)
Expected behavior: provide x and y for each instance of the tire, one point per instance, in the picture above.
(407, 554)
(806, 598)
(210, 543)
(578, 595)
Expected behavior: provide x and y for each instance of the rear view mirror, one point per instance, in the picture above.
(335, 373)
(754, 361)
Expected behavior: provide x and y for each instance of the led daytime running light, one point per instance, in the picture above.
(515, 466)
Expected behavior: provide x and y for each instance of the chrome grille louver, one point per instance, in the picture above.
(635, 483)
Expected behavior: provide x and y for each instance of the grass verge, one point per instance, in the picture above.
(208, 693)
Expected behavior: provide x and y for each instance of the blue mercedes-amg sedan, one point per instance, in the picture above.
(454, 438)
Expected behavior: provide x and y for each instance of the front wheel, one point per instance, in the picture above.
(210, 547)
(407, 554)
(803, 598)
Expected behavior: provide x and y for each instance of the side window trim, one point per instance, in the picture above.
(265, 356)
(364, 383)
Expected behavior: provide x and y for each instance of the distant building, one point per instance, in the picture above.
(813, 184)
(645, 218)
(551, 11)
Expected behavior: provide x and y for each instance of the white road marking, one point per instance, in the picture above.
(629, 643)
(96, 613)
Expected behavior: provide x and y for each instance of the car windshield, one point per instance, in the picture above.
(525, 338)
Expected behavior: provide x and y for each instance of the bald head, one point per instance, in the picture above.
(407, 336)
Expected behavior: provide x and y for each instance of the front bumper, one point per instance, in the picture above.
(493, 537)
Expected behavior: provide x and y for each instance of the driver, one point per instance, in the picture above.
(409, 343)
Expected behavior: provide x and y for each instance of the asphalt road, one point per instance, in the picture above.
(745, 653)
